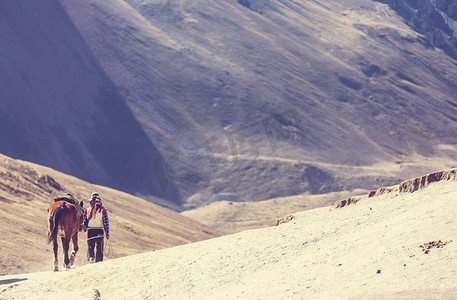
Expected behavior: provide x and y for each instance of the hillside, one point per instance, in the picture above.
(434, 19)
(26, 191)
(397, 245)
(58, 107)
(192, 102)
(231, 217)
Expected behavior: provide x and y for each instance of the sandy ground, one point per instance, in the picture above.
(232, 217)
(370, 250)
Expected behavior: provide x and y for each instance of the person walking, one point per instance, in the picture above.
(96, 223)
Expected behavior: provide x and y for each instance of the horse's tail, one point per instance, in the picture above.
(55, 222)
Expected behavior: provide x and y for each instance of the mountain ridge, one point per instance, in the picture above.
(407, 186)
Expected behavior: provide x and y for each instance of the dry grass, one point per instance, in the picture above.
(26, 190)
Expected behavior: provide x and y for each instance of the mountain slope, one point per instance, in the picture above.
(27, 190)
(231, 217)
(247, 99)
(58, 107)
(395, 245)
(246, 95)
(437, 20)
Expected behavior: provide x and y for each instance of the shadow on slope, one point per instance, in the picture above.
(216, 82)
(59, 109)
(434, 19)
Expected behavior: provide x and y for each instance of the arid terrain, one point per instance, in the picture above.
(244, 149)
(201, 101)
(231, 217)
(27, 190)
(399, 243)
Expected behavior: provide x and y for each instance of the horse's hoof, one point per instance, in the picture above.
(72, 258)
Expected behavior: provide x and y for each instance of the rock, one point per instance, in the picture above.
(433, 19)
(284, 219)
(96, 294)
(48, 181)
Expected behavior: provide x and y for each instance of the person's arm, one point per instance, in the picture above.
(105, 222)
(86, 222)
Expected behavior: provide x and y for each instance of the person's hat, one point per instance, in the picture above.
(96, 198)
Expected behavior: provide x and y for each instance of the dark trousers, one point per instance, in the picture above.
(95, 244)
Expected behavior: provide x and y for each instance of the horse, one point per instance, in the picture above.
(65, 220)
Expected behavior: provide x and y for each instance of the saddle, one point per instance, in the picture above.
(69, 200)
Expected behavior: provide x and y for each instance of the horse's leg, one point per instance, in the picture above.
(75, 249)
(56, 260)
(49, 226)
(66, 246)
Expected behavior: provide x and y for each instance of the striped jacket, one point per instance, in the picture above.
(96, 217)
